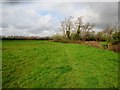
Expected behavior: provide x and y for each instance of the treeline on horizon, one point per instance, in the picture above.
(77, 30)
(24, 38)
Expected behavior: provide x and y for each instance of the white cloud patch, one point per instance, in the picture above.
(26, 21)
(42, 19)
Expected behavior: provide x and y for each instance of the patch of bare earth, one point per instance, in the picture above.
(93, 43)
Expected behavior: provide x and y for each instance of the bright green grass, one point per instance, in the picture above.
(44, 64)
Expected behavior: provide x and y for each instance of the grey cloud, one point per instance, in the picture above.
(4, 25)
(108, 12)
(119, 12)
(13, 2)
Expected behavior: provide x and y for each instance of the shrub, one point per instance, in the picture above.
(74, 36)
(115, 48)
(57, 38)
(115, 38)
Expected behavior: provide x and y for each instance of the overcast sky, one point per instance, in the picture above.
(42, 18)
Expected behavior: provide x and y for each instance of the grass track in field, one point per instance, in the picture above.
(44, 64)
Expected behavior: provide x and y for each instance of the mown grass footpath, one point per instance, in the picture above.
(44, 64)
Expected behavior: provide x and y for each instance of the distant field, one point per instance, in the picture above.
(44, 64)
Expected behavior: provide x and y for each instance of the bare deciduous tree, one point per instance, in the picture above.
(66, 26)
(86, 29)
(78, 25)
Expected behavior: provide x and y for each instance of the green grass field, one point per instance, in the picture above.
(44, 64)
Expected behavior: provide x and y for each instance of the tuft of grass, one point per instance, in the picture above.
(44, 64)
